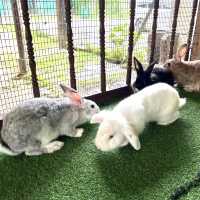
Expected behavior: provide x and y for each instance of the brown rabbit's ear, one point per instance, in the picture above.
(181, 52)
(72, 94)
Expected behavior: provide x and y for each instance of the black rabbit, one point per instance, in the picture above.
(150, 76)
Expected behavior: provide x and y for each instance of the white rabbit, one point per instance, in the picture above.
(159, 102)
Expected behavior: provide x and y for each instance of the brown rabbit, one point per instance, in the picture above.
(186, 73)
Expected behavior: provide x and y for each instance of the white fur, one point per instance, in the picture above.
(159, 102)
(4, 150)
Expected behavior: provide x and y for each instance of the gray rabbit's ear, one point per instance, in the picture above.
(72, 94)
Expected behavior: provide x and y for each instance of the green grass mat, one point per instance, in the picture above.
(169, 157)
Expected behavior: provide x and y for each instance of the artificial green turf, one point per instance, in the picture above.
(169, 157)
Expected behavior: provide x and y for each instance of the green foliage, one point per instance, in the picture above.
(7, 28)
(55, 67)
(119, 37)
(140, 54)
(117, 54)
(117, 9)
(110, 78)
(119, 34)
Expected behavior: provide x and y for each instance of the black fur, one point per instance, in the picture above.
(151, 75)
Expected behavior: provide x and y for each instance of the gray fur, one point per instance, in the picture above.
(32, 126)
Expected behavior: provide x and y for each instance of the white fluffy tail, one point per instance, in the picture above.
(6, 151)
(182, 102)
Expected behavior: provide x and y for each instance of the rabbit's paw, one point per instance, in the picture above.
(79, 132)
(53, 146)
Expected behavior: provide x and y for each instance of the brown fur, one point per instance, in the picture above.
(186, 73)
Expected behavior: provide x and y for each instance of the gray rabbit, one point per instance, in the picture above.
(34, 126)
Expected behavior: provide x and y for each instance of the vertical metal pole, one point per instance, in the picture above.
(28, 35)
(130, 42)
(70, 45)
(154, 28)
(174, 24)
(192, 21)
(102, 43)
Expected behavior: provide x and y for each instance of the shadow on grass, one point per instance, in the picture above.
(164, 149)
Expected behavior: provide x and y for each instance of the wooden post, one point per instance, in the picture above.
(19, 37)
(61, 24)
(196, 39)
(164, 47)
(157, 47)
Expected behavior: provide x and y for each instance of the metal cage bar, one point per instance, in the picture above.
(130, 41)
(154, 28)
(29, 43)
(192, 22)
(174, 25)
(70, 46)
(102, 43)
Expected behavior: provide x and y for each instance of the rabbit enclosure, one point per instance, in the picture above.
(89, 45)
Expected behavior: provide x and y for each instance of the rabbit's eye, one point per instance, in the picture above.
(92, 106)
(111, 136)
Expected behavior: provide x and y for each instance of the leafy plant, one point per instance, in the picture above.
(119, 34)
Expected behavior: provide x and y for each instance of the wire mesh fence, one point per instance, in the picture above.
(48, 25)
(13, 58)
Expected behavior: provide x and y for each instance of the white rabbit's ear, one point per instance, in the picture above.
(181, 52)
(72, 94)
(132, 138)
(99, 117)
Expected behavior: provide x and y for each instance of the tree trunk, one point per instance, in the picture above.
(196, 39)
(61, 25)
(19, 37)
